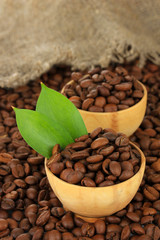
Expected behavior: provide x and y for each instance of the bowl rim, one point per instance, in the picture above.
(143, 163)
(119, 111)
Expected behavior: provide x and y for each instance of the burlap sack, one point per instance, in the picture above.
(35, 34)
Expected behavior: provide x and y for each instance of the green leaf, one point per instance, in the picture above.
(57, 107)
(41, 132)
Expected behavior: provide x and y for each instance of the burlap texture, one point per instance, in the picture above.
(35, 34)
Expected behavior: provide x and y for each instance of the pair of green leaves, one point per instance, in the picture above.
(56, 120)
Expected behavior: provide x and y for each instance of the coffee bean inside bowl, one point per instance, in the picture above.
(105, 91)
(101, 158)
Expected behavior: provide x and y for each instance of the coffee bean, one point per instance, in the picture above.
(88, 182)
(38, 234)
(8, 187)
(100, 227)
(3, 224)
(156, 205)
(7, 204)
(12, 223)
(125, 233)
(16, 232)
(151, 193)
(17, 215)
(99, 177)
(24, 224)
(115, 168)
(99, 142)
(136, 228)
(122, 141)
(110, 107)
(43, 218)
(113, 219)
(79, 155)
(95, 158)
(107, 150)
(56, 167)
(78, 166)
(88, 230)
(133, 216)
(71, 176)
(24, 236)
(87, 103)
(95, 109)
(147, 219)
(100, 102)
(4, 233)
(94, 166)
(126, 174)
(67, 221)
(113, 228)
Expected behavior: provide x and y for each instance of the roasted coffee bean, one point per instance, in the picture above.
(151, 193)
(67, 221)
(115, 168)
(7, 204)
(107, 150)
(12, 223)
(24, 236)
(147, 219)
(87, 103)
(110, 107)
(125, 233)
(99, 177)
(24, 224)
(78, 166)
(113, 228)
(87, 230)
(3, 224)
(122, 141)
(112, 219)
(4, 233)
(79, 155)
(94, 158)
(126, 174)
(43, 218)
(38, 234)
(17, 215)
(88, 182)
(56, 167)
(94, 167)
(57, 211)
(71, 176)
(16, 232)
(137, 228)
(100, 227)
(100, 102)
(99, 142)
(133, 216)
(106, 183)
(8, 187)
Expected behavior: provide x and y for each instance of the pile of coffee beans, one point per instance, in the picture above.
(101, 158)
(104, 90)
(29, 208)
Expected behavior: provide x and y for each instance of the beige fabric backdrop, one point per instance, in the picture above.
(35, 34)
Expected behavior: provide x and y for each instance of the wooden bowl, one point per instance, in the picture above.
(126, 121)
(96, 202)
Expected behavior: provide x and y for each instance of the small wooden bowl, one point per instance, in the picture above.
(126, 121)
(96, 202)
